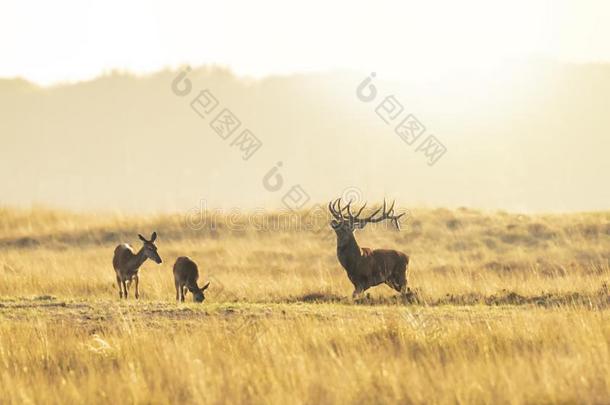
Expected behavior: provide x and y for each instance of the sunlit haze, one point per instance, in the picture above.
(512, 95)
(50, 42)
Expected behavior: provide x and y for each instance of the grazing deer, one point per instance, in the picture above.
(126, 263)
(186, 275)
(365, 267)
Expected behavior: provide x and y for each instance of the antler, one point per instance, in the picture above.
(338, 212)
(334, 213)
(385, 214)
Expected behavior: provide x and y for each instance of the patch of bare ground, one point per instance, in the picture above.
(599, 299)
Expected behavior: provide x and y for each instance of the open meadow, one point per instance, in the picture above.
(290, 202)
(503, 308)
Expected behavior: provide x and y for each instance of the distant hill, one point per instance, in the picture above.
(534, 140)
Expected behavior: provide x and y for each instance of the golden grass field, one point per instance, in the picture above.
(504, 308)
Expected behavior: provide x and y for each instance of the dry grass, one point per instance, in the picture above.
(506, 309)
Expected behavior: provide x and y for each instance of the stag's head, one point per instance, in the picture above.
(198, 292)
(150, 250)
(344, 222)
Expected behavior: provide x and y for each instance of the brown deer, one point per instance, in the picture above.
(365, 267)
(186, 275)
(126, 263)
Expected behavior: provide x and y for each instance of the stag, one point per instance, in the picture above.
(126, 263)
(366, 267)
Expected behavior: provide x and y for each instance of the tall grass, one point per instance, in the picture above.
(507, 309)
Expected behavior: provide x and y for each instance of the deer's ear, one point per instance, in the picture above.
(205, 287)
(153, 236)
(142, 238)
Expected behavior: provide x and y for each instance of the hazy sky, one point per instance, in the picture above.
(67, 40)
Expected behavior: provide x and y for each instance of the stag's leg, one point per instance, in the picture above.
(183, 292)
(118, 281)
(404, 290)
(357, 292)
(178, 289)
(402, 281)
(398, 283)
(137, 280)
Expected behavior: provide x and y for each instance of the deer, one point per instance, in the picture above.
(366, 267)
(127, 263)
(186, 275)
